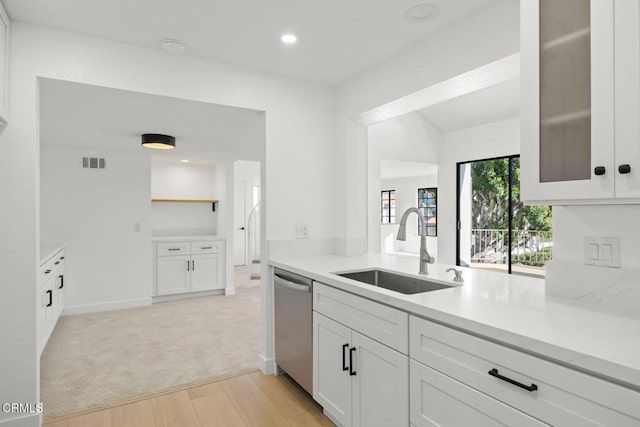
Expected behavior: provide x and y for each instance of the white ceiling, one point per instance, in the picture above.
(97, 118)
(497, 102)
(337, 39)
(400, 169)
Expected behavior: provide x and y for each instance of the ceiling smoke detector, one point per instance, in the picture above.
(422, 12)
(173, 46)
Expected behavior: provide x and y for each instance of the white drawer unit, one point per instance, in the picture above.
(183, 267)
(51, 296)
(544, 390)
(208, 247)
(172, 249)
(382, 323)
(438, 400)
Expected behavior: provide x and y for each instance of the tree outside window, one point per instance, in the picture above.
(428, 205)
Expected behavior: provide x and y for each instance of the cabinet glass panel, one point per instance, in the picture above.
(565, 90)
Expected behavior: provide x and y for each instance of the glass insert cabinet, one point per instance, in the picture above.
(580, 109)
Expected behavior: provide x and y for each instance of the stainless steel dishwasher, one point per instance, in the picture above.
(294, 326)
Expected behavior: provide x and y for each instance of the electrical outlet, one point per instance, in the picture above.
(302, 231)
(604, 251)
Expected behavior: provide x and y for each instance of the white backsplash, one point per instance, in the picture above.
(614, 288)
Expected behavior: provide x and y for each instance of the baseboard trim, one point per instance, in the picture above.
(267, 366)
(106, 306)
(29, 420)
(174, 297)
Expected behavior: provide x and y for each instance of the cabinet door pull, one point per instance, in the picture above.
(344, 357)
(352, 350)
(61, 258)
(193, 266)
(205, 247)
(56, 263)
(188, 266)
(61, 281)
(50, 292)
(494, 373)
(624, 169)
(47, 271)
(599, 170)
(174, 249)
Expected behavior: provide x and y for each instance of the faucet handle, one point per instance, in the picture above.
(458, 273)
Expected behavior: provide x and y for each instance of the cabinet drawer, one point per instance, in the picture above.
(175, 248)
(377, 321)
(206, 247)
(440, 401)
(563, 396)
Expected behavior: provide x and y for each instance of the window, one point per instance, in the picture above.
(428, 205)
(388, 207)
(495, 229)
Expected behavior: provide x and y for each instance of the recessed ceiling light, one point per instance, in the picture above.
(289, 38)
(173, 46)
(184, 161)
(421, 12)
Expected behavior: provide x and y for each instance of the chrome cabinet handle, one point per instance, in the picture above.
(205, 247)
(188, 266)
(174, 249)
(193, 266)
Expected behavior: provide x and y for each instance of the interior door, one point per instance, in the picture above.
(239, 223)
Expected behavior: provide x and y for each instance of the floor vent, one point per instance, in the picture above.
(94, 163)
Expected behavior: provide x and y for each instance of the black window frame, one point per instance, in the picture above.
(425, 209)
(391, 219)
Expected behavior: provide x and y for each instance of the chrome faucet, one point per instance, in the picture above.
(425, 258)
(458, 274)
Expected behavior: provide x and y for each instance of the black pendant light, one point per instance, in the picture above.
(158, 142)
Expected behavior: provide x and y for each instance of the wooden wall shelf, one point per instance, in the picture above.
(212, 201)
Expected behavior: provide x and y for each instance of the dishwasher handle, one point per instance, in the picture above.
(291, 285)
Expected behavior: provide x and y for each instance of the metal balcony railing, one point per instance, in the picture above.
(528, 247)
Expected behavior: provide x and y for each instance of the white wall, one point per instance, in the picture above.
(490, 34)
(490, 140)
(94, 212)
(300, 124)
(184, 181)
(404, 138)
(407, 197)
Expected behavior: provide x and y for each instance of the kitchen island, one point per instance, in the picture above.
(580, 343)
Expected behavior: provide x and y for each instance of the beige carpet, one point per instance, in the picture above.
(95, 360)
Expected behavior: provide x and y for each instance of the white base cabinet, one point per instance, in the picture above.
(51, 293)
(440, 401)
(357, 380)
(183, 267)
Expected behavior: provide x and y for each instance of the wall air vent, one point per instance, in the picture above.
(94, 163)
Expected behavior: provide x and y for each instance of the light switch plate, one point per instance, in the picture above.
(602, 251)
(302, 231)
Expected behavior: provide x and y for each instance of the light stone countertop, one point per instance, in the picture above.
(47, 251)
(510, 309)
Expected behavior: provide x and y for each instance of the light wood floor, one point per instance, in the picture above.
(249, 400)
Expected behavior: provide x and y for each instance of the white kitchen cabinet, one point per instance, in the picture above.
(50, 301)
(5, 30)
(438, 400)
(357, 380)
(183, 267)
(572, 143)
(174, 274)
(331, 379)
(479, 369)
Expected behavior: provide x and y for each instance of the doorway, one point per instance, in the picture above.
(495, 230)
(239, 223)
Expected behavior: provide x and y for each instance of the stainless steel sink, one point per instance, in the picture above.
(394, 282)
